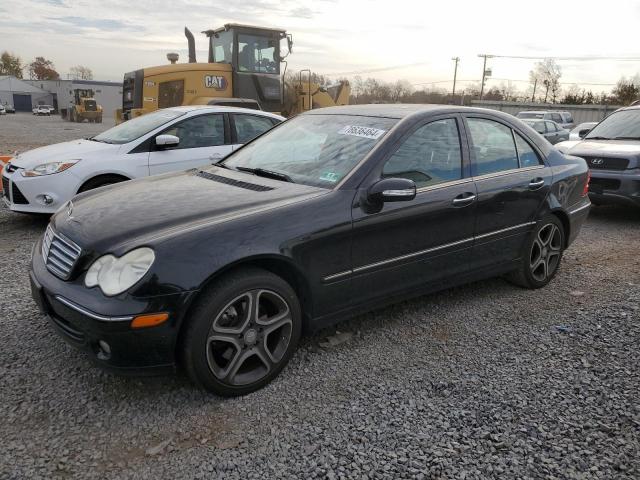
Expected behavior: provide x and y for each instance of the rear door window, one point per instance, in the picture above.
(556, 117)
(551, 128)
(249, 127)
(527, 155)
(493, 147)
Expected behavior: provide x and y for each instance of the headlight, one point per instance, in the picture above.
(49, 168)
(115, 275)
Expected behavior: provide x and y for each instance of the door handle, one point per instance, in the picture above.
(536, 183)
(464, 199)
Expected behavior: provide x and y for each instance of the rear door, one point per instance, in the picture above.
(512, 183)
(245, 127)
(204, 140)
(413, 243)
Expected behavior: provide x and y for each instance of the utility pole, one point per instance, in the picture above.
(484, 71)
(455, 75)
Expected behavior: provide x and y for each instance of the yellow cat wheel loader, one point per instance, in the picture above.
(243, 68)
(84, 107)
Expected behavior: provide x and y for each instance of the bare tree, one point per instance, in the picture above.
(546, 74)
(42, 69)
(80, 72)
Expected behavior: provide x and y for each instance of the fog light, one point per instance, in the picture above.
(45, 199)
(104, 350)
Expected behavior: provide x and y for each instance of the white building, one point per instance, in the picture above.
(22, 95)
(107, 94)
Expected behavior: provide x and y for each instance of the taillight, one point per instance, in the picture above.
(585, 190)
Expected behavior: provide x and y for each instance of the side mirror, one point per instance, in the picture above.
(166, 141)
(583, 133)
(392, 190)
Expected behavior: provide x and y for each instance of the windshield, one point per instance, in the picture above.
(137, 127)
(530, 115)
(624, 124)
(317, 150)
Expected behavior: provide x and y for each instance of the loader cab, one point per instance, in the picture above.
(254, 54)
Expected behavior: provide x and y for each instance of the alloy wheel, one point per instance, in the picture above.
(249, 337)
(545, 252)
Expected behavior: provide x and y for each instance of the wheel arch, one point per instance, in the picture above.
(566, 224)
(279, 265)
(121, 177)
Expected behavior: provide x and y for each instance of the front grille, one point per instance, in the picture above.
(599, 184)
(60, 254)
(90, 106)
(235, 183)
(5, 186)
(17, 195)
(607, 163)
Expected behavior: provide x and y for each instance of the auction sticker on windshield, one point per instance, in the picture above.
(364, 132)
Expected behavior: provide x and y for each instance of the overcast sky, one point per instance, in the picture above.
(336, 36)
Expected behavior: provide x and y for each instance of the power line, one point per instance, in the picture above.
(373, 70)
(583, 58)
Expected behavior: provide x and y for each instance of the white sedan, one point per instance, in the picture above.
(179, 138)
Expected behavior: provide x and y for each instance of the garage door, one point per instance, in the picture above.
(22, 103)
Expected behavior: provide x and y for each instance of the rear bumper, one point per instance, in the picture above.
(577, 215)
(619, 188)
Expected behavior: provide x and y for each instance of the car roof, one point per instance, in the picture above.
(223, 109)
(396, 110)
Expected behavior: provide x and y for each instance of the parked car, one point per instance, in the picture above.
(9, 109)
(562, 118)
(584, 128)
(612, 151)
(42, 110)
(553, 132)
(42, 180)
(334, 212)
(3, 111)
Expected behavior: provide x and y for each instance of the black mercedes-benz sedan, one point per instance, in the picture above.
(337, 211)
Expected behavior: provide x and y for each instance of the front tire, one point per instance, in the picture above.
(242, 332)
(541, 255)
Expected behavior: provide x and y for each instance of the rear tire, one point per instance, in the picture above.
(541, 254)
(101, 181)
(230, 347)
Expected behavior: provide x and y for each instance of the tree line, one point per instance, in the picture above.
(39, 69)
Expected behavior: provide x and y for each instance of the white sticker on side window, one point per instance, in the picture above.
(364, 132)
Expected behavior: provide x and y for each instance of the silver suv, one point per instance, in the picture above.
(612, 151)
(562, 118)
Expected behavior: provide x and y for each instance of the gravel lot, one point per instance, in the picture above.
(24, 131)
(482, 381)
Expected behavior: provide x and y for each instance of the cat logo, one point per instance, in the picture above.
(215, 81)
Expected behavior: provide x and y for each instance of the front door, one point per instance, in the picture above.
(512, 183)
(202, 142)
(410, 244)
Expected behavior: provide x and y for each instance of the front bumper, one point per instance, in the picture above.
(621, 188)
(85, 318)
(27, 194)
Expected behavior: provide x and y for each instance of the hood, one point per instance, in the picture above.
(150, 209)
(75, 149)
(599, 147)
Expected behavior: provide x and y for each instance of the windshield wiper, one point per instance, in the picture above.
(262, 172)
(625, 138)
(597, 138)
